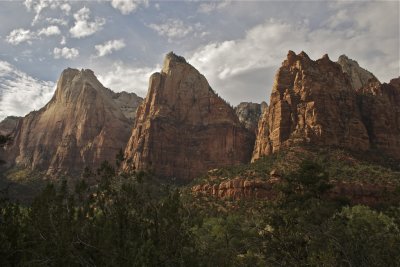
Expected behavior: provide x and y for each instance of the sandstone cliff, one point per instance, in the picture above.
(318, 102)
(81, 126)
(183, 128)
(249, 114)
(311, 101)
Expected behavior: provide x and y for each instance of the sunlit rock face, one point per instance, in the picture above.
(183, 128)
(81, 126)
(359, 77)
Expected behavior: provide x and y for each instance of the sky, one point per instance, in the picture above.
(237, 45)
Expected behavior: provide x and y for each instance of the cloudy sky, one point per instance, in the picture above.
(237, 45)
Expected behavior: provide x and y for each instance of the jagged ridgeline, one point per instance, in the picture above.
(330, 104)
(183, 128)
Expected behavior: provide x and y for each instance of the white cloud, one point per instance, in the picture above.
(21, 93)
(83, 27)
(63, 40)
(66, 8)
(128, 6)
(172, 28)
(126, 78)
(51, 30)
(38, 6)
(109, 47)
(65, 52)
(242, 69)
(58, 21)
(209, 7)
(20, 35)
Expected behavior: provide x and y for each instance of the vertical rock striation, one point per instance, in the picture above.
(329, 104)
(183, 128)
(311, 101)
(81, 126)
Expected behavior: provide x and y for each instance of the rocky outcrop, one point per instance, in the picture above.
(183, 128)
(249, 114)
(81, 126)
(316, 102)
(8, 125)
(240, 188)
(359, 77)
(262, 189)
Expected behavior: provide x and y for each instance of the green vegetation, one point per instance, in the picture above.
(340, 165)
(135, 220)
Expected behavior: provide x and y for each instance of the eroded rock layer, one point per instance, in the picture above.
(183, 128)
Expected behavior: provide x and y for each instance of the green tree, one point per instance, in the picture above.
(358, 236)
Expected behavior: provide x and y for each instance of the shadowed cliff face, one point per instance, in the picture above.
(81, 126)
(183, 128)
(380, 109)
(316, 102)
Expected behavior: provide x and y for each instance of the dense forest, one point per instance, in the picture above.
(135, 220)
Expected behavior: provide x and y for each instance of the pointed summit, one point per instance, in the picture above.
(82, 125)
(183, 128)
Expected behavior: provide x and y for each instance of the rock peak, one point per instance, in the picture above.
(183, 128)
(172, 60)
(172, 56)
(83, 125)
(304, 55)
(325, 57)
(343, 59)
(291, 57)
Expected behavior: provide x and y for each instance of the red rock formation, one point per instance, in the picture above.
(239, 188)
(313, 102)
(81, 126)
(247, 189)
(183, 128)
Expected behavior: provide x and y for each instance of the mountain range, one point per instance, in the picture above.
(182, 128)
